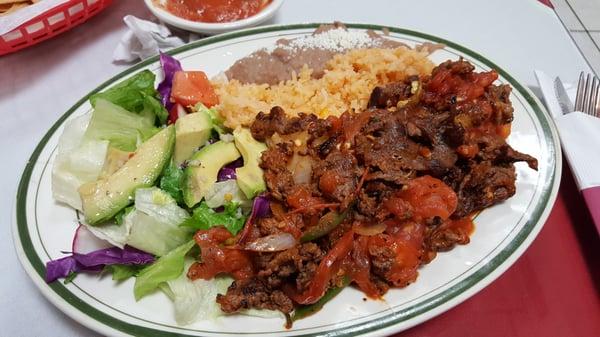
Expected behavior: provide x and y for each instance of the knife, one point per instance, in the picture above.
(561, 95)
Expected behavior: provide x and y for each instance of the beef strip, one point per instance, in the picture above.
(338, 176)
(278, 178)
(253, 293)
(360, 162)
(277, 121)
(389, 95)
(300, 261)
(484, 186)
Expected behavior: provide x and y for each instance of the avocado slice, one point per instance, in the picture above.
(115, 159)
(105, 197)
(250, 177)
(203, 168)
(191, 132)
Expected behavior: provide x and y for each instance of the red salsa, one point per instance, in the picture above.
(215, 10)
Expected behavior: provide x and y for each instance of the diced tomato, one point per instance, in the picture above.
(301, 197)
(429, 197)
(216, 259)
(464, 86)
(191, 87)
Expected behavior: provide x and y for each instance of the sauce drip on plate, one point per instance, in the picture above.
(214, 11)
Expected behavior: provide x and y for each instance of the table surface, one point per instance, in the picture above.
(552, 290)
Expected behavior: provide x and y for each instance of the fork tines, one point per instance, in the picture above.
(588, 95)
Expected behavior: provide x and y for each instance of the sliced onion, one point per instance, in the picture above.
(301, 168)
(85, 241)
(273, 243)
(369, 230)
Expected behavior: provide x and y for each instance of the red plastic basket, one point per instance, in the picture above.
(50, 23)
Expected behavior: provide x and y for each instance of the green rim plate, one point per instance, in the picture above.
(418, 312)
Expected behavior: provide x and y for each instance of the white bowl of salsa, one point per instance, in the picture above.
(213, 16)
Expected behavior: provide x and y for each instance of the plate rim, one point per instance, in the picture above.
(93, 318)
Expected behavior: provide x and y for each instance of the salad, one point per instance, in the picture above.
(146, 169)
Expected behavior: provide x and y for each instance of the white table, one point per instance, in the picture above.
(39, 84)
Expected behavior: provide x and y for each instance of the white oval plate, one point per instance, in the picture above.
(44, 228)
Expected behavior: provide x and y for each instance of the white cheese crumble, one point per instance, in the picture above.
(336, 40)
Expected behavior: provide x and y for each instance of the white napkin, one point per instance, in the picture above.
(14, 20)
(144, 39)
(579, 134)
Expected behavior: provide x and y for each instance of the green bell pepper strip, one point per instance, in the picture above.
(325, 225)
(307, 310)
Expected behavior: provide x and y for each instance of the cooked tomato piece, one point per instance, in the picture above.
(216, 259)
(301, 197)
(465, 86)
(406, 244)
(429, 197)
(192, 87)
(329, 181)
(360, 268)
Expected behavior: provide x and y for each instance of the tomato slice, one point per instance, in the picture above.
(191, 87)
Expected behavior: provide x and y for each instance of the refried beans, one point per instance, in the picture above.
(274, 65)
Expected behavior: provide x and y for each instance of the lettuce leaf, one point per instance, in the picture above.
(171, 182)
(154, 224)
(226, 191)
(121, 272)
(77, 162)
(122, 129)
(152, 105)
(151, 224)
(168, 267)
(204, 217)
(136, 94)
(119, 217)
(114, 233)
(195, 300)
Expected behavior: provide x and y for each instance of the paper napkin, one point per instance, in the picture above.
(144, 39)
(580, 138)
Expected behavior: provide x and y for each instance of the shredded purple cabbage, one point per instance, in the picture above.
(227, 172)
(170, 66)
(260, 206)
(95, 261)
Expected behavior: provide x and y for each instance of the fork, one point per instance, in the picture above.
(588, 95)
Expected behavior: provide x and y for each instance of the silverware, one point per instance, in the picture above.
(588, 94)
(561, 95)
